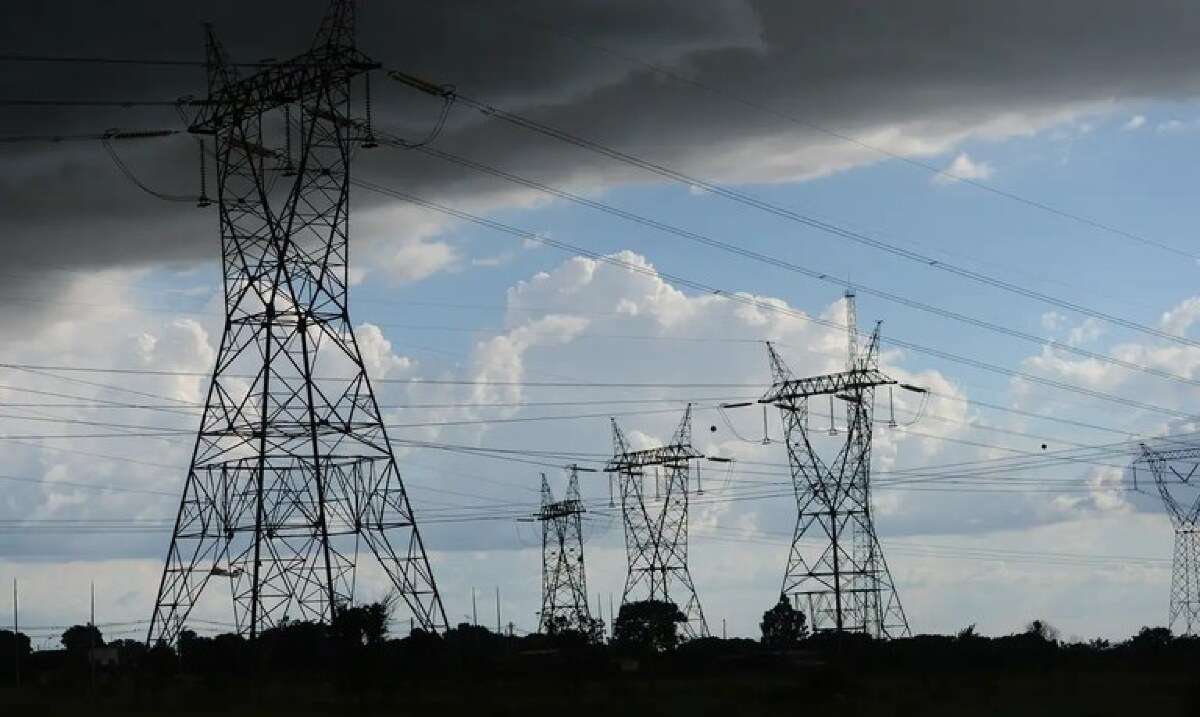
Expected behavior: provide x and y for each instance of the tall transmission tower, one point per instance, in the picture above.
(656, 541)
(564, 581)
(292, 473)
(836, 570)
(1175, 475)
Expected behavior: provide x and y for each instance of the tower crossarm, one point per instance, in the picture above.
(279, 85)
(1189, 453)
(1184, 515)
(789, 392)
(561, 509)
(674, 455)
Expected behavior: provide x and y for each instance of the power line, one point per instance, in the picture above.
(525, 384)
(751, 301)
(1009, 463)
(975, 402)
(794, 216)
(188, 410)
(697, 401)
(98, 103)
(1029, 459)
(787, 265)
(1057, 346)
(677, 77)
(577, 416)
(733, 195)
(946, 551)
(925, 475)
(40, 371)
(100, 137)
(949, 397)
(93, 402)
(970, 401)
(87, 486)
(137, 432)
(132, 431)
(728, 95)
(91, 60)
(435, 382)
(458, 517)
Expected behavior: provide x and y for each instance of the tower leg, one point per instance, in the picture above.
(1185, 583)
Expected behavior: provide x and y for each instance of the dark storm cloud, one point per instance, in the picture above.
(940, 70)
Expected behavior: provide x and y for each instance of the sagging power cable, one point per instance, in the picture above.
(753, 202)
(107, 139)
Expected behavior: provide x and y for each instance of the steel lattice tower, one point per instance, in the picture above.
(292, 473)
(1180, 493)
(564, 581)
(836, 570)
(656, 542)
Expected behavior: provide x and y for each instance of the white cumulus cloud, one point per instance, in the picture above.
(1135, 122)
(963, 167)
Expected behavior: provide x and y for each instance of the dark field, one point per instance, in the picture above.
(474, 672)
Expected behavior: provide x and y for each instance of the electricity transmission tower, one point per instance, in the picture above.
(564, 582)
(836, 570)
(656, 541)
(1180, 493)
(292, 473)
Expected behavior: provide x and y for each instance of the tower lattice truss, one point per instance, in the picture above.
(564, 581)
(836, 571)
(656, 526)
(292, 474)
(1175, 475)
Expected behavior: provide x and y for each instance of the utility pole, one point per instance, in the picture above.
(16, 633)
(836, 563)
(612, 617)
(498, 626)
(724, 635)
(656, 540)
(92, 637)
(292, 471)
(564, 580)
(1173, 470)
(474, 610)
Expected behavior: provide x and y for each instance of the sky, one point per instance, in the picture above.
(1041, 146)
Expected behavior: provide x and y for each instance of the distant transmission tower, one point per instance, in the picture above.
(1180, 493)
(836, 570)
(656, 541)
(292, 471)
(564, 582)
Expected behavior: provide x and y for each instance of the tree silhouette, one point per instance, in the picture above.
(81, 638)
(569, 631)
(1151, 639)
(648, 625)
(16, 648)
(363, 624)
(783, 626)
(1042, 630)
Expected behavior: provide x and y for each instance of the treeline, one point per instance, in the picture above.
(355, 658)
